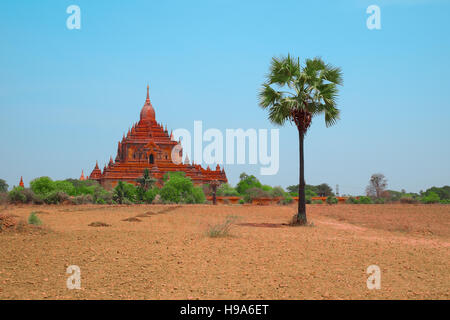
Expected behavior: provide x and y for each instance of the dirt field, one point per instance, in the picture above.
(163, 252)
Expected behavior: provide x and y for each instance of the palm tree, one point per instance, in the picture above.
(146, 181)
(304, 92)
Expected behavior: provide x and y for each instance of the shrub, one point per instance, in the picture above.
(247, 182)
(380, 201)
(82, 199)
(198, 195)
(150, 195)
(124, 191)
(277, 192)
(34, 219)
(332, 200)
(365, 200)
(221, 229)
(42, 186)
(180, 189)
(308, 200)
(127, 201)
(431, 197)
(445, 201)
(287, 199)
(83, 186)
(352, 200)
(64, 186)
(17, 195)
(102, 196)
(157, 199)
(254, 193)
(225, 190)
(241, 201)
(443, 192)
(55, 197)
(3, 186)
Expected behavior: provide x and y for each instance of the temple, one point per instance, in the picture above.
(149, 145)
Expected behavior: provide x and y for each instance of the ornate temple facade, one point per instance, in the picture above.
(149, 145)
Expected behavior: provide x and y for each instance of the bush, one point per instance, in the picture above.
(42, 186)
(3, 186)
(445, 201)
(241, 201)
(247, 182)
(276, 192)
(254, 193)
(198, 195)
(221, 229)
(380, 201)
(287, 199)
(225, 190)
(83, 187)
(34, 219)
(64, 186)
(55, 197)
(17, 195)
(431, 197)
(180, 189)
(124, 191)
(332, 200)
(150, 195)
(365, 200)
(352, 200)
(82, 199)
(102, 196)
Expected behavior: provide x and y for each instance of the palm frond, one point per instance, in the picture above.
(332, 115)
(268, 96)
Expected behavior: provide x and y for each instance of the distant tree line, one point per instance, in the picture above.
(178, 188)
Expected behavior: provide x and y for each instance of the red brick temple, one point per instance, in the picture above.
(149, 145)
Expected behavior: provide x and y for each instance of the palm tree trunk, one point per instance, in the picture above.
(301, 214)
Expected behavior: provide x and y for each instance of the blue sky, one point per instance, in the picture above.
(67, 96)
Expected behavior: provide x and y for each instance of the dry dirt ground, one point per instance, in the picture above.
(164, 252)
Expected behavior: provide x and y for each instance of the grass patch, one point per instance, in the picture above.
(221, 230)
(34, 219)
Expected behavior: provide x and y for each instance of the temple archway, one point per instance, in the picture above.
(151, 159)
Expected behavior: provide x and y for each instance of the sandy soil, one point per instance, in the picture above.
(163, 252)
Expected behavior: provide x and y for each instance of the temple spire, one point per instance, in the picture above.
(148, 95)
(21, 182)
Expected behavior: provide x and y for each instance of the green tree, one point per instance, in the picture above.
(124, 191)
(180, 189)
(443, 192)
(324, 190)
(226, 190)
(3, 186)
(42, 186)
(431, 197)
(247, 182)
(301, 92)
